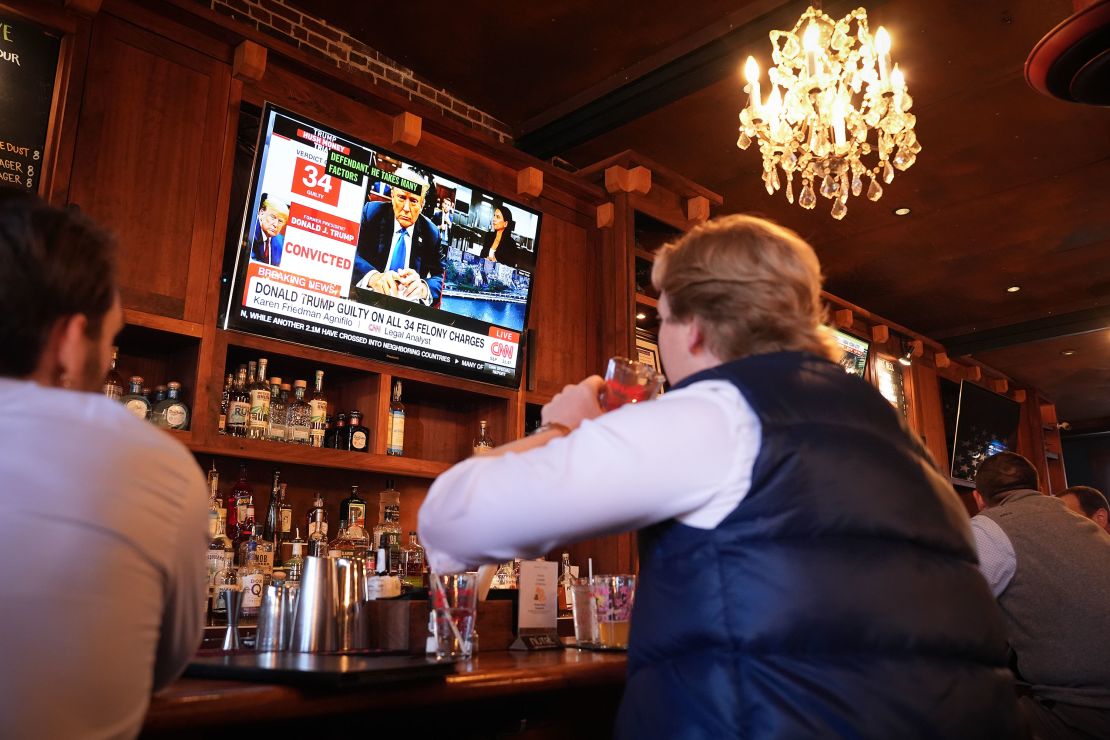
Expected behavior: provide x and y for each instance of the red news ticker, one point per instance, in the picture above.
(504, 335)
(320, 140)
(257, 269)
(327, 225)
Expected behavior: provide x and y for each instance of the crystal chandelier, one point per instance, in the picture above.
(835, 104)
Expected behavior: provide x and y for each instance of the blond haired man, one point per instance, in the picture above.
(805, 572)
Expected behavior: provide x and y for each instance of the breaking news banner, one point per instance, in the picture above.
(349, 247)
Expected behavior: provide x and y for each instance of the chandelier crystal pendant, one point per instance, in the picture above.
(837, 111)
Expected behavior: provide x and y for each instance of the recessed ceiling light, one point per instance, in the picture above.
(641, 316)
(903, 211)
(1013, 289)
(1067, 352)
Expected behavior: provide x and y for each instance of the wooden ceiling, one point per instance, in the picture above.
(1011, 188)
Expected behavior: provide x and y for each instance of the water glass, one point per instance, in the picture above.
(585, 612)
(628, 381)
(455, 605)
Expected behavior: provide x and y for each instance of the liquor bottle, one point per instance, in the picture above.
(395, 433)
(238, 406)
(566, 582)
(358, 436)
(226, 580)
(294, 564)
(256, 545)
(317, 518)
(360, 539)
(221, 554)
(341, 546)
(214, 507)
(243, 536)
(298, 418)
(279, 401)
(252, 581)
(412, 563)
(483, 443)
(159, 395)
(238, 499)
(172, 413)
(258, 422)
(273, 522)
(353, 508)
(318, 544)
(225, 398)
(336, 438)
(135, 401)
(113, 383)
(387, 532)
(319, 418)
(285, 519)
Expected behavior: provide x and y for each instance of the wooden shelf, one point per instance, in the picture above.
(646, 300)
(277, 452)
(133, 317)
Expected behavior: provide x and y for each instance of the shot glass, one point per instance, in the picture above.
(613, 597)
(455, 605)
(628, 381)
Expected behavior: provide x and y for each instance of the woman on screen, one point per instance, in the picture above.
(498, 244)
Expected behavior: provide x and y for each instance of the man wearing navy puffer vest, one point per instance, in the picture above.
(804, 570)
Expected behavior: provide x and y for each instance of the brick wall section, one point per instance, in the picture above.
(313, 35)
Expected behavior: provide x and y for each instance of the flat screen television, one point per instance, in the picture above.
(855, 350)
(347, 246)
(986, 424)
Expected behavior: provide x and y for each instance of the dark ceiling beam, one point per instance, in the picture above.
(1036, 330)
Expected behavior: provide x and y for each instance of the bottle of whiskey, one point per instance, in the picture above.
(341, 546)
(238, 406)
(566, 581)
(135, 401)
(214, 507)
(285, 535)
(483, 443)
(319, 417)
(243, 536)
(317, 519)
(258, 423)
(278, 408)
(221, 554)
(358, 436)
(336, 437)
(113, 383)
(387, 532)
(225, 399)
(360, 539)
(172, 413)
(395, 433)
(412, 563)
(240, 496)
(298, 418)
(353, 508)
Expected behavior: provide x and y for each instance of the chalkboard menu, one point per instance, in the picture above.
(28, 62)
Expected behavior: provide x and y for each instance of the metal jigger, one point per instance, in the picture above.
(231, 599)
(314, 627)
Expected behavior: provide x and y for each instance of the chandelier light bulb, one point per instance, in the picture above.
(838, 114)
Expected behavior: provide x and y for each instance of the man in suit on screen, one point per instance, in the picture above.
(268, 240)
(399, 251)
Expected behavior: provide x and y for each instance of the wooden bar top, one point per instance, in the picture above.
(192, 704)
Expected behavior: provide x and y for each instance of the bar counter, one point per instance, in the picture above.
(499, 693)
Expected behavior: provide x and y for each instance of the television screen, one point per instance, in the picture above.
(854, 359)
(347, 246)
(986, 424)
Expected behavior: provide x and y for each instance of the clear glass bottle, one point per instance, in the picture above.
(319, 416)
(221, 554)
(483, 443)
(278, 409)
(566, 581)
(252, 581)
(387, 532)
(298, 418)
(172, 413)
(240, 495)
(412, 563)
(134, 400)
(336, 437)
(261, 548)
(113, 383)
(285, 524)
(214, 504)
(258, 423)
(358, 436)
(272, 526)
(360, 539)
(238, 406)
(342, 546)
(226, 580)
(395, 432)
(225, 399)
(353, 508)
(294, 565)
(317, 518)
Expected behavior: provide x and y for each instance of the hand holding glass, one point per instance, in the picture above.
(628, 381)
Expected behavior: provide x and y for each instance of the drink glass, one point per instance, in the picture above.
(585, 612)
(628, 381)
(613, 597)
(455, 604)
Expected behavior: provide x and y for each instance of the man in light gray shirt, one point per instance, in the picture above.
(103, 585)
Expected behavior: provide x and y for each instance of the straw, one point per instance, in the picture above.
(439, 585)
(590, 567)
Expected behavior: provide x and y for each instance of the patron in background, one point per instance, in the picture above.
(1050, 571)
(103, 589)
(1088, 502)
(399, 253)
(268, 239)
(804, 570)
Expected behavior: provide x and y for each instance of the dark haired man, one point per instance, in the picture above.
(1088, 502)
(104, 515)
(1050, 571)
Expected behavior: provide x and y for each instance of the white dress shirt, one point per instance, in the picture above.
(102, 591)
(997, 560)
(687, 455)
